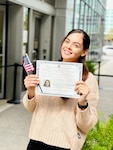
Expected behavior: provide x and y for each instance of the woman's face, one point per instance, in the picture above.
(47, 83)
(72, 48)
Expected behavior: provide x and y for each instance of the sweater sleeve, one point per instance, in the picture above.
(29, 104)
(87, 118)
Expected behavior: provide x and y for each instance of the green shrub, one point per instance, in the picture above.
(101, 136)
(91, 66)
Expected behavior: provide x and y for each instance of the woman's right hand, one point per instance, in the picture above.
(30, 83)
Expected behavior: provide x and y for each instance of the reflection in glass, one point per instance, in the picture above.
(1, 30)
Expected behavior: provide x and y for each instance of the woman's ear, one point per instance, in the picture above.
(84, 52)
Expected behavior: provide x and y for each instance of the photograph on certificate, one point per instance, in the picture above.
(58, 78)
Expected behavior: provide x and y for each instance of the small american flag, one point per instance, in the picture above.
(27, 64)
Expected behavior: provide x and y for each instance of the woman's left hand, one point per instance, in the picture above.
(82, 89)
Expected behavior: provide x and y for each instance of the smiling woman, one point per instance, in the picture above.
(60, 123)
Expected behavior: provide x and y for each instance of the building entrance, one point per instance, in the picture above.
(37, 22)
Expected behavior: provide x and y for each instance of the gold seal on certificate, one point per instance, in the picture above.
(58, 78)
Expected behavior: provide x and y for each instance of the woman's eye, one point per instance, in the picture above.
(76, 45)
(66, 41)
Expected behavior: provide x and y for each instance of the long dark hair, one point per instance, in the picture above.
(86, 44)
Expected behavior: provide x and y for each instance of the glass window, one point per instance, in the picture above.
(82, 11)
(1, 30)
(77, 8)
(25, 31)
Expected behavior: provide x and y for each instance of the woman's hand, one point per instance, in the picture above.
(82, 89)
(30, 83)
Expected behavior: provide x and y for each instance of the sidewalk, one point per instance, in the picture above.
(105, 104)
(14, 126)
(106, 87)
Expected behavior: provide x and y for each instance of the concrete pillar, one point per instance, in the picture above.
(15, 44)
(63, 24)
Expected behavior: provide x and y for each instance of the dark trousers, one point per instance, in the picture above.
(37, 145)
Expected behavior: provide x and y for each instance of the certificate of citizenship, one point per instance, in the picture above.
(61, 78)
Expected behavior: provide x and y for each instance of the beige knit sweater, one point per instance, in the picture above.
(60, 122)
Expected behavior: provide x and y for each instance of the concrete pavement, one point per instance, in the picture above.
(14, 126)
(15, 120)
(105, 105)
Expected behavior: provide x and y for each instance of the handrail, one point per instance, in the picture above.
(15, 65)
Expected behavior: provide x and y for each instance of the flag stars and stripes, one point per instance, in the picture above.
(28, 67)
